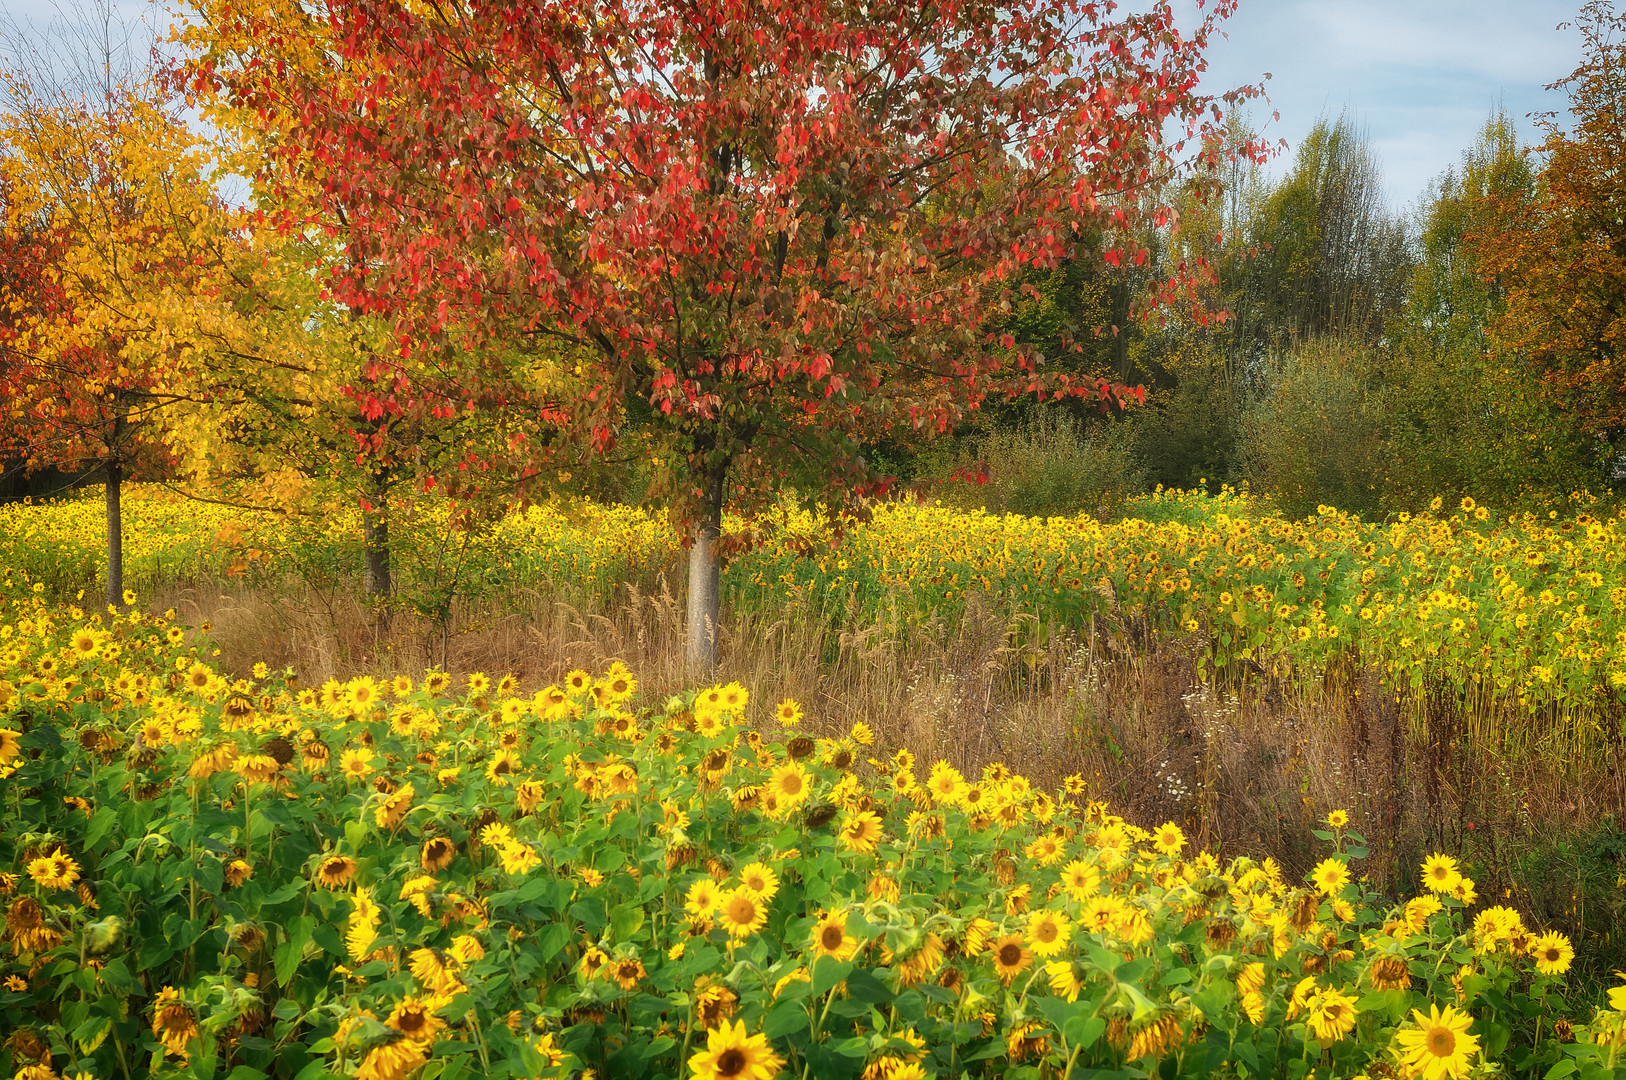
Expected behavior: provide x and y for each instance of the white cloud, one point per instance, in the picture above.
(1420, 75)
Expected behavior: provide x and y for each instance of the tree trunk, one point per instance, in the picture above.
(704, 573)
(375, 539)
(115, 536)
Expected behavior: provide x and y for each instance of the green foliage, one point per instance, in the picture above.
(1049, 466)
(1315, 437)
(251, 881)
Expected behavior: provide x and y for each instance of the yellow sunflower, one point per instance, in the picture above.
(830, 937)
(861, 831)
(1048, 932)
(1011, 957)
(742, 913)
(731, 1054)
(1439, 1046)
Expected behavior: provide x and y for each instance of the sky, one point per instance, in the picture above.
(1420, 76)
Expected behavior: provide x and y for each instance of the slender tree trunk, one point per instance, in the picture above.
(115, 535)
(703, 578)
(375, 539)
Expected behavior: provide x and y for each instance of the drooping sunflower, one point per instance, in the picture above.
(237, 872)
(1439, 1046)
(627, 971)
(1332, 1015)
(415, 1019)
(173, 1022)
(10, 744)
(393, 808)
(437, 854)
(732, 1054)
(742, 913)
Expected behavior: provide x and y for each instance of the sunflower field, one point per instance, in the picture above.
(1528, 609)
(205, 876)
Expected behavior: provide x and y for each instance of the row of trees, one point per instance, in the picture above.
(331, 250)
(484, 246)
(1373, 359)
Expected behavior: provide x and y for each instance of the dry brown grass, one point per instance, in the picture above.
(1246, 765)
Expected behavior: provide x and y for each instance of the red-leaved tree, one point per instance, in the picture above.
(747, 236)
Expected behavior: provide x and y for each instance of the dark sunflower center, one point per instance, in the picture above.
(832, 938)
(732, 1062)
(1010, 954)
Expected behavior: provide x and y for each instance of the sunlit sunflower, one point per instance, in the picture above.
(506, 685)
(393, 1060)
(791, 783)
(54, 871)
(1168, 839)
(402, 686)
(237, 872)
(502, 766)
(788, 713)
(1440, 873)
(732, 1054)
(1439, 1046)
(10, 744)
(356, 762)
(703, 897)
(336, 871)
(1011, 957)
(364, 692)
(760, 881)
(945, 783)
(478, 683)
(1330, 876)
(1080, 880)
(1048, 932)
(742, 913)
(861, 831)
(435, 682)
(1552, 952)
(830, 937)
